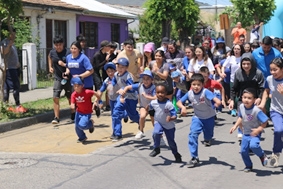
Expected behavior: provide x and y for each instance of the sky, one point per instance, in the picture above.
(213, 2)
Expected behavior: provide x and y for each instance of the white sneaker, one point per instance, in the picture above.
(239, 135)
(274, 159)
(139, 135)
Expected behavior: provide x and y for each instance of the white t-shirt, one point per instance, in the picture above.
(198, 64)
(234, 64)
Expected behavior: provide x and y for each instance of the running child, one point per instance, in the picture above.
(164, 116)
(81, 99)
(252, 121)
(204, 113)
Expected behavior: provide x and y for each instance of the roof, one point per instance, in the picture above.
(131, 3)
(54, 3)
(97, 7)
(132, 9)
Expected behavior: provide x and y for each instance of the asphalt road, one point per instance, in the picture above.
(126, 164)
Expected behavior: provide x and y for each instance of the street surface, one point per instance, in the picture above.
(44, 156)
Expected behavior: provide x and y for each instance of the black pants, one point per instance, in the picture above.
(12, 83)
(97, 81)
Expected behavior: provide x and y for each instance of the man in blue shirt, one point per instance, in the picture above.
(264, 55)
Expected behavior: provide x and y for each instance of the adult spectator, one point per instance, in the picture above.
(12, 81)
(248, 47)
(206, 44)
(135, 59)
(242, 40)
(264, 55)
(190, 54)
(276, 44)
(254, 35)
(237, 31)
(175, 56)
(100, 58)
(57, 66)
(148, 54)
(164, 44)
(255, 45)
(219, 50)
(82, 41)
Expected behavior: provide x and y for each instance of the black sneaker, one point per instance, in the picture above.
(55, 120)
(116, 138)
(112, 136)
(73, 114)
(97, 111)
(126, 119)
(178, 158)
(154, 152)
(207, 143)
(248, 169)
(107, 108)
(92, 128)
(81, 141)
(193, 162)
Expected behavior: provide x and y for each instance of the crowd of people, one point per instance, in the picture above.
(163, 82)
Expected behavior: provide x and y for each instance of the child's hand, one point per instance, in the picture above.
(223, 103)
(233, 129)
(231, 105)
(222, 75)
(94, 105)
(257, 101)
(122, 100)
(168, 118)
(121, 92)
(256, 132)
(280, 88)
(184, 111)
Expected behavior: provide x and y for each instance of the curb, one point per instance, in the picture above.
(24, 122)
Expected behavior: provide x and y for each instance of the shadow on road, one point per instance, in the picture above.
(264, 173)
(101, 126)
(168, 162)
(92, 141)
(215, 142)
(213, 160)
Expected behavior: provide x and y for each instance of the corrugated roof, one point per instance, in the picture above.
(134, 3)
(95, 6)
(55, 3)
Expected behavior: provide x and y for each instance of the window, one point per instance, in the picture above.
(60, 28)
(90, 31)
(115, 32)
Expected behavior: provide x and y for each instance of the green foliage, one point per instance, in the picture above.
(250, 11)
(181, 15)
(10, 7)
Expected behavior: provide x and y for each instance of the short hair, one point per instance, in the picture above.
(128, 42)
(251, 91)
(204, 69)
(267, 40)
(242, 36)
(276, 42)
(163, 84)
(58, 39)
(113, 45)
(81, 38)
(197, 77)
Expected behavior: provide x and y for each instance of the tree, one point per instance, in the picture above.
(249, 12)
(161, 16)
(8, 11)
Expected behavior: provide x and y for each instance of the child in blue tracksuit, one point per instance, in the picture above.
(252, 121)
(123, 78)
(164, 115)
(146, 91)
(203, 120)
(110, 69)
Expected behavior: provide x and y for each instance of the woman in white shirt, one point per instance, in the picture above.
(201, 59)
(233, 62)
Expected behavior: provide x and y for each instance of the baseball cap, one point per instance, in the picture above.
(104, 43)
(148, 48)
(175, 74)
(146, 72)
(123, 62)
(76, 80)
(172, 66)
(110, 65)
(165, 40)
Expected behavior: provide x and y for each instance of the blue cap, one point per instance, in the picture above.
(123, 61)
(76, 80)
(220, 40)
(175, 74)
(172, 66)
(110, 65)
(146, 72)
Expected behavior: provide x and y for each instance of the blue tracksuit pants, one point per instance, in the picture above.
(170, 135)
(197, 126)
(82, 122)
(112, 104)
(277, 120)
(253, 143)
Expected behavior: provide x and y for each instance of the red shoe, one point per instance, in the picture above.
(11, 109)
(21, 109)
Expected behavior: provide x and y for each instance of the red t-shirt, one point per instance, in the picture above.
(83, 101)
(212, 84)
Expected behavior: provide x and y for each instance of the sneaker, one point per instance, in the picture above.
(107, 108)
(248, 169)
(193, 162)
(112, 136)
(139, 135)
(178, 158)
(264, 160)
(11, 109)
(207, 143)
(233, 113)
(154, 152)
(274, 159)
(73, 114)
(21, 109)
(97, 111)
(239, 136)
(55, 120)
(92, 128)
(126, 119)
(116, 138)
(81, 141)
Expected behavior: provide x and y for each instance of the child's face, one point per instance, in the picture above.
(248, 100)
(246, 65)
(110, 72)
(247, 48)
(176, 79)
(196, 86)
(205, 75)
(199, 53)
(121, 69)
(160, 92)
(146, 80)
(276, 71)
(78, 88)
